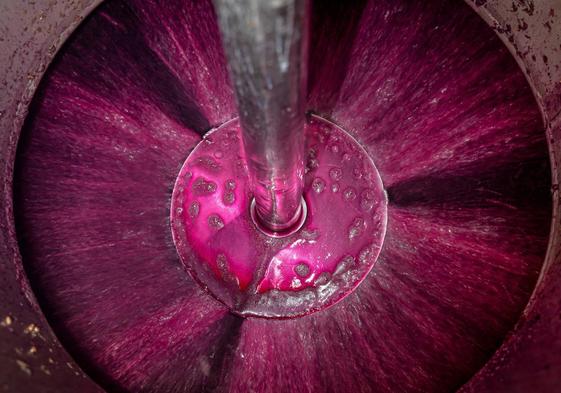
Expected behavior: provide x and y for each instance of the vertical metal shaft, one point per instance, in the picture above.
(266, 46)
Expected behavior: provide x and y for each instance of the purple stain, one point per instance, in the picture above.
(302, 269)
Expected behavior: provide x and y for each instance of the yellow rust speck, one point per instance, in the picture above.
(24, 367)
(7, 321)
(32, 330)
(45, 370)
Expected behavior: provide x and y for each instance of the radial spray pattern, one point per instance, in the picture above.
(429, 91)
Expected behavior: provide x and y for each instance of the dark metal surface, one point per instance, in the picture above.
(266, 46)
(31, 357)
(529, 359)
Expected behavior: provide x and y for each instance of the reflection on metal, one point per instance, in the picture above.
(266, 46)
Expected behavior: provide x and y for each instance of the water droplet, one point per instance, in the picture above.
(366, 254)
(45, 369)
(222, 262)
(318, 185)
(369, 194)
(335, 149)
(302, 269)
(358, 222)
(335, 174)
(194, 209)
(230, 184)
(218, 154)
(368, 200)
(357, 173)
(357, 228)
(335, 187)
(313, 164)
(309, 234)
(241, 165)
(214, 221)
(349, 194)
(32, 330)
(367, 205)
(229, 198)
(344, 265)
(346, 157)
(223, 266)
(7, 321)
(377, 221)
(203, 187)
(322, 279)
(208, 163)
(23, 366)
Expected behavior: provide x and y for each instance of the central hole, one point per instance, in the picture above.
(299, 220)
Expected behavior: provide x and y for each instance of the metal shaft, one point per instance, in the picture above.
(266, 47)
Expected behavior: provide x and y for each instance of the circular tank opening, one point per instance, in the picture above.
(319, 263)
(432, 97)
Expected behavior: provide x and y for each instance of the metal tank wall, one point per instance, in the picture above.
(529, 360)
(31, 357)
